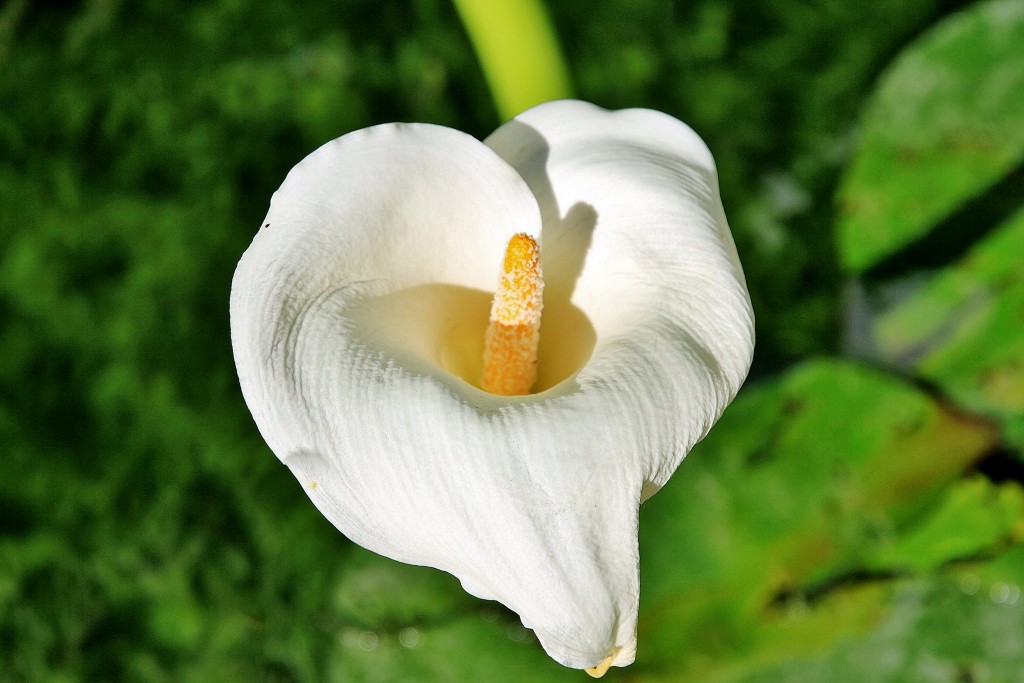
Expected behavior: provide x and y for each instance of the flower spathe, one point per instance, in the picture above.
(357, 321)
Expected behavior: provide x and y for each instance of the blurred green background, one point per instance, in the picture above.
(856, 516)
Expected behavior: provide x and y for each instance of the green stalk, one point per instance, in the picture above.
(518, 52)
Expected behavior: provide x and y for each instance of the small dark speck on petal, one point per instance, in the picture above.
(267, 225)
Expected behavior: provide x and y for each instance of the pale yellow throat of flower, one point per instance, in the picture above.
(513, 333)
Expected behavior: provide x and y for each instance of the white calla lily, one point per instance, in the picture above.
(357, 321)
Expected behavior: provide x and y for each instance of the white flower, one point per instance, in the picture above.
(358, 316)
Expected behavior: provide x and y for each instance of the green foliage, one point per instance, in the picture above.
(973, 519)
(944, 124)
(840, 523)
(790, 531)
(977, 303)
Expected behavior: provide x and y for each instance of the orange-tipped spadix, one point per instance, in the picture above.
(510, 347)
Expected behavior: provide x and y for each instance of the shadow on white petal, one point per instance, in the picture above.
(565, 237)
(441, 327)
(566, 241)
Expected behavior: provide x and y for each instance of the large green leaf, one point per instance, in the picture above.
(946, 122)
(799, 522)
(947, 629)
(964, 330)
(973, 518)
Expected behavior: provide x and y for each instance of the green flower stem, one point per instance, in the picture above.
(518, 51)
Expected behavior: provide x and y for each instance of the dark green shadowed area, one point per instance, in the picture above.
(856, 516)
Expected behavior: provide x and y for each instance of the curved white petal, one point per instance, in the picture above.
(630, 199)
(358, 315)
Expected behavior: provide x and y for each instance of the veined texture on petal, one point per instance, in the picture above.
(358, 315)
